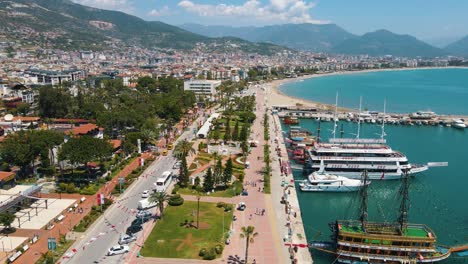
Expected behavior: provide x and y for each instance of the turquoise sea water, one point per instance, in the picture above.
(439, 196)
(444, 91)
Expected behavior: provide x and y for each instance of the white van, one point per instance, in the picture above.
(146, 204)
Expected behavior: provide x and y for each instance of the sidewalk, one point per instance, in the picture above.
(71, 218)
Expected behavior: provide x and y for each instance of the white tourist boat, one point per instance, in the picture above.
(458, 123)
(349, 157)
(330, 183)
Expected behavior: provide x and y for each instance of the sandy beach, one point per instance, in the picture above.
(277, 97)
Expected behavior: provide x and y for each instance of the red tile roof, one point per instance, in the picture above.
(83, 129)
(6, 175)
(116, 143)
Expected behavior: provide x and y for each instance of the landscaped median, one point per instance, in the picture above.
(177, 235)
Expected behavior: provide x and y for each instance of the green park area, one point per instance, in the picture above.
(177, 235)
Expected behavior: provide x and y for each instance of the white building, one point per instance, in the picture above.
(202, 88)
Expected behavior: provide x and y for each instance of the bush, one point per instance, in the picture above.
(202, 252)
(210, 255)
(220, 204)
(228, 207)
(219, 249)
(176, 200)
(176, 189)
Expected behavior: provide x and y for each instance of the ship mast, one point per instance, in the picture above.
(364, 197)
(382, 136)
(359, 118)
(335, 118)
(404, 206)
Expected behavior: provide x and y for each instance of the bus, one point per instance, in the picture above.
(163, 182)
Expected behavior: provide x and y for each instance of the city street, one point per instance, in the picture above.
(92, 247)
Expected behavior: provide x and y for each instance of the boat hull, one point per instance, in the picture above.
(377, 175)
(328, 189)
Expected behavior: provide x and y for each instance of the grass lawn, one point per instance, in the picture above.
(169, 239)
(230, 192)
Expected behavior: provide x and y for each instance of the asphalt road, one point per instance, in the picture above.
(107, 230)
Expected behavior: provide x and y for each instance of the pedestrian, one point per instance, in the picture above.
(263, 211)
(250, 218)
(258, 188)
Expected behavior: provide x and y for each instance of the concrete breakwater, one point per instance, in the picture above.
(372, 117)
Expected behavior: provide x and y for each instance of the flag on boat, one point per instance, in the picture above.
(383, 175)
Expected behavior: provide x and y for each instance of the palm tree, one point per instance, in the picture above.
(183, 149)
(160, 198)
(248, 232)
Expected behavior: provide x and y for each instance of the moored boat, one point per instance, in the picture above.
(330, 183)
(458, 123)
(362, 241)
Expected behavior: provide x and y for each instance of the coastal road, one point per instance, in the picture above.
(92, 247)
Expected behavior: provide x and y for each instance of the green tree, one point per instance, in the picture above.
(208, 182)
(6, 219)
(183, 149)
(23, 148)
(245, 148)
(244, 135)
(248, 232)
(218, 172)
(227, 173)
(235, 132)
(227, 134)
(184, 174)
(53, 102)
(23, 108)
(160, 198)
(81, 150)
(146, 84)
(216, 134)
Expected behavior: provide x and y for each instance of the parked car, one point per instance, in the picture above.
(133, 229)
(145, 194)
(241, 206)
(125, 239)
(116, 250)
(143, 213)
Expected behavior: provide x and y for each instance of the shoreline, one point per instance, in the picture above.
(278, 97)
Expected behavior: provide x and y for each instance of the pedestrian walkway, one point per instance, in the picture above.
(283, 187)
(266, 247)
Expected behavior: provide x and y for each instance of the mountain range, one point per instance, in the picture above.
(334, 39)
(310, 37)
(66, 25)
(69, 26)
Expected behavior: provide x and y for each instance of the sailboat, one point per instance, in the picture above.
(362, 241)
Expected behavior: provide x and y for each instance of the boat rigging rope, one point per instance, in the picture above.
(336, 259)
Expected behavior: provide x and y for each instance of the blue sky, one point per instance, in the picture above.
(434, 20)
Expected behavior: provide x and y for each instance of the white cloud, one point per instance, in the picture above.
(276, 11)
(161, 12)
(120, 5)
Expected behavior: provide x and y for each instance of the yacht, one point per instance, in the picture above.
(349, 157)
(458, 123)
(330, 183)
(423, 115)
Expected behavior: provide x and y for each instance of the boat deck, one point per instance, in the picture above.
(416, 231)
